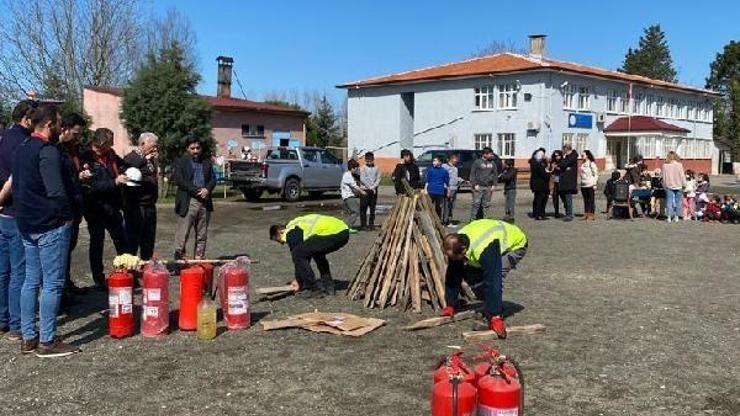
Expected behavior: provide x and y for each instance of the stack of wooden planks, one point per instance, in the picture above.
(406, 266)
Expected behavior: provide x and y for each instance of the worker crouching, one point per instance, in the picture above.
(309, 237)
(482, 253)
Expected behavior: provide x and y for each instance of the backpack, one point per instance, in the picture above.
(621, 191)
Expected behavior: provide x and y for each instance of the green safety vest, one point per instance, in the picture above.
(482, 233)
(315, 224)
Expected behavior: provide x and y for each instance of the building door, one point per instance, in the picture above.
(613, 153)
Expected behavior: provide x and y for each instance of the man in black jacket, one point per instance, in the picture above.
(140, 209)
(102, 178)
(407, 170)
(568, 185)
(195, 181)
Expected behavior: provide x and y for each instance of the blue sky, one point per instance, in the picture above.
(284, 45)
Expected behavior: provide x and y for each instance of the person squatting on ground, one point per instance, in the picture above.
(437, 185)
(309, 237)
(589, 181)
(370, 181)
(44, 215)
(193, 175)
(483, 180)
(407, 170)
(102, 178)
(12, 253)
(454, 187)
(539, 183)
(482, 253)
(140, 196)
(351, 194)
(508, 177)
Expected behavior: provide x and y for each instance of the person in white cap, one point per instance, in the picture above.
(141, 192)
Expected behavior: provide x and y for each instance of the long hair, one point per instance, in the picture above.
(672, 157)
(589, 155)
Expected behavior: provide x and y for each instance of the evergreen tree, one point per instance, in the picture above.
(652, 58)
(724, 77)
(161, 98)
(322, 127)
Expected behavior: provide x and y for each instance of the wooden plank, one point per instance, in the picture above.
(381, 290)
(415, 282)
(401, 272)
(274, 290)
(372, 287)
(437, 280)
(441, 320)
(510, 331)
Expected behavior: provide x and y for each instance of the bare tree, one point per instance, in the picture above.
(499, 46)
(58, 46)
(173, 27)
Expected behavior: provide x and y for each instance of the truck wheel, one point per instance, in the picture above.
(292, 190)
(252, 195)
(315, 194)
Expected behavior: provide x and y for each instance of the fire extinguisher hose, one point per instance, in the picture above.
(455, 384)
(521, 384)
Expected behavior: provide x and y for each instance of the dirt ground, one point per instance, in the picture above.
(643, 318)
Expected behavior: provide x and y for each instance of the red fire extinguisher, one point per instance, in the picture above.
(492, 356)
(454, 361)
(500, 393)
(191, 293)
(155, 319)
(234, 295)
(120, 301)
(454, 396)
(207, 275)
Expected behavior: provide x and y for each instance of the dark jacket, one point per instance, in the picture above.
(101, 189)
(183, 177)
(539, 179)
(484, 173)
(569, 173)
(41, 198)
(409, 172)
(148, 192)
(71, 172)
(12, 137)
(508, 177)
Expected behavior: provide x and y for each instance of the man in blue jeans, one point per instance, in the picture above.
(44, 215)
(12, 257)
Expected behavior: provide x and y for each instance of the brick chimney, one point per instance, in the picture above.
(224, 76)
(537, 46)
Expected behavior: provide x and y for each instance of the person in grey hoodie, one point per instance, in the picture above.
(369, 180)
(483, 179)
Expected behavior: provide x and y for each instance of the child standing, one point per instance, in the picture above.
(351, 193)
(451, 168)
(689, 197)
(657, 201)
(370, 180)
(508, 177)
(438, 183)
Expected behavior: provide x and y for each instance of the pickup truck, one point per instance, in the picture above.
(287, 172)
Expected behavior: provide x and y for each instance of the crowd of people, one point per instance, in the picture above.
(49, 183)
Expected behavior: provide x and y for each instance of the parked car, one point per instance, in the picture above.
(287, 172)
(467, 157)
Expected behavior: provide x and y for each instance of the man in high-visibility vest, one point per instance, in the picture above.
(309, 237)
(482, 253)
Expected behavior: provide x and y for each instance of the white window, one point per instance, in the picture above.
(638, 104)
(704, 149)
(658, 147)
(507, 96)
(668, 145)
(685, 108)
(695, 115)
(649, 106)
(660, 107)
(584, 98)
(506, 145)
(482, 140)
(646, 146)
(484, 98)
(578, 141)
(569, 93)
(624, 103)
(671, 108)
(612, 101)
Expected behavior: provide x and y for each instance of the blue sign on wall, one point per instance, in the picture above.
(580, 121)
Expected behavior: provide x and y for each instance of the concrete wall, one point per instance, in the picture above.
(445, 114)
(104, 109)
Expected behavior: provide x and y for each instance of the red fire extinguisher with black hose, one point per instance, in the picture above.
(454, 395)
(501, 390)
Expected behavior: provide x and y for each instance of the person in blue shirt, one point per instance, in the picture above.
(438, 184)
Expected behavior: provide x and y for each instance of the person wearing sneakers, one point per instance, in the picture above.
(589, 180)
(309, 237)
(482, 253)
(45, 215)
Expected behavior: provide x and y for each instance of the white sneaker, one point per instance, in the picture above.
(668, 220)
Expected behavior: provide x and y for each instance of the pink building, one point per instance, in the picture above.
(236, 123)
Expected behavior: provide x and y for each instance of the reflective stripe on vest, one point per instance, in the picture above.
(489, 233)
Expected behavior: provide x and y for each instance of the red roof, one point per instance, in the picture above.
(507, 63)
(642, 124)
(222, 103)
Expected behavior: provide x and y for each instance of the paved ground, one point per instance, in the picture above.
(643, 318)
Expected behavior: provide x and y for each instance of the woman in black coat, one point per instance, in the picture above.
(539, 183)
(568, 185)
